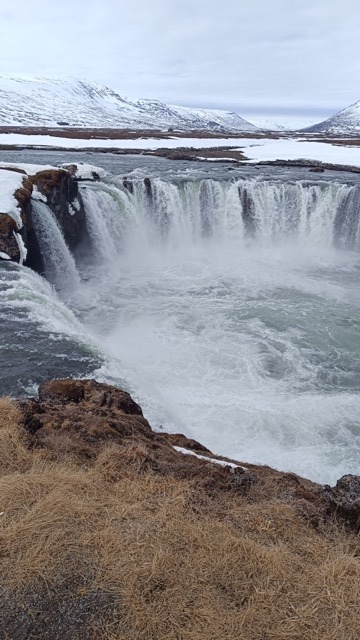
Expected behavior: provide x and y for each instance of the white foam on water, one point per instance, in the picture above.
(28, 292)
(225, 309)
(246, 352)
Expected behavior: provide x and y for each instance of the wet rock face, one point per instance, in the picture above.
(344, 500)
(61, 191)
(94, 395)
(8, 242)
(88, 412)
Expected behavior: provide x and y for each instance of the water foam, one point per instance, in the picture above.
(228, 310)
(247, 349)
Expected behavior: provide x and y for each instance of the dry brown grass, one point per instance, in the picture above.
(148, 557)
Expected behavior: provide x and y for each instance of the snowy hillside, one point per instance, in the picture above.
(55, 102)
(345, 121)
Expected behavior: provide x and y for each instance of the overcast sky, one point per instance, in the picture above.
(270, 56)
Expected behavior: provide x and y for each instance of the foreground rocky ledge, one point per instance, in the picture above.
(108, 530)
(88, 415)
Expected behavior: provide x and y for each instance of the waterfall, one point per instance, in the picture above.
(184, 212)
(223, 305)
(139, 214)
(60, 267)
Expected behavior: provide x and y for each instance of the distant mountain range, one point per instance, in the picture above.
(345, 121)
(50, 102)
(53, 102)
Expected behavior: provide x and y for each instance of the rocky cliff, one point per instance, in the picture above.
(90, 414)
(58, 188)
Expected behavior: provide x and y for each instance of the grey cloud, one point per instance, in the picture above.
(229, 54)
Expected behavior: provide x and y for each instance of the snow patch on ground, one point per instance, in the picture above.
(221, 159)
(139, 143)
(10, 181)
(266, 149)
(222, 463)
(30, 169)
(255, 150)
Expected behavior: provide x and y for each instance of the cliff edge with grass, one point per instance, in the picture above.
(111, 531)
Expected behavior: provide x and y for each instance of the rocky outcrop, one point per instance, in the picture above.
(344, 500)
(8, 243)
(81, 418)
(59, 189)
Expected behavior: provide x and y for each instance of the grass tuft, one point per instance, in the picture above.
(115, 551)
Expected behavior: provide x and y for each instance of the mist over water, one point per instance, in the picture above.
(256, 355)
(229, 308)
(249, 345)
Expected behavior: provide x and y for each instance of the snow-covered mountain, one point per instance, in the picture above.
(51, 102)
(345, 121)
(283, 123)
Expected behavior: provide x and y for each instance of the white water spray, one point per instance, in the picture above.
(60, 267)
(229, 312)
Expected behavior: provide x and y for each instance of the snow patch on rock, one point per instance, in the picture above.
(222, 463)
(10, 181)
(86, 171)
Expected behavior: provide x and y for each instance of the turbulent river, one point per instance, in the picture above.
(225, 300)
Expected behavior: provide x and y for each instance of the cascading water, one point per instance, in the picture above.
(40, 336)
(230, 314)
(229, 308)
(187, 211)
(60, 267)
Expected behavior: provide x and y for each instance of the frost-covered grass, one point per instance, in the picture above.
(147, 555)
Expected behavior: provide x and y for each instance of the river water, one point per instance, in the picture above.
(225, 300)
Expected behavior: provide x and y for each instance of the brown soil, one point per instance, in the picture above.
(128, 134)
(107, 532)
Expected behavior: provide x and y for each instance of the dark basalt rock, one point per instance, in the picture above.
(8, 242)
(344, 500)
(128, 185)
(88, 391)
(60, 188)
